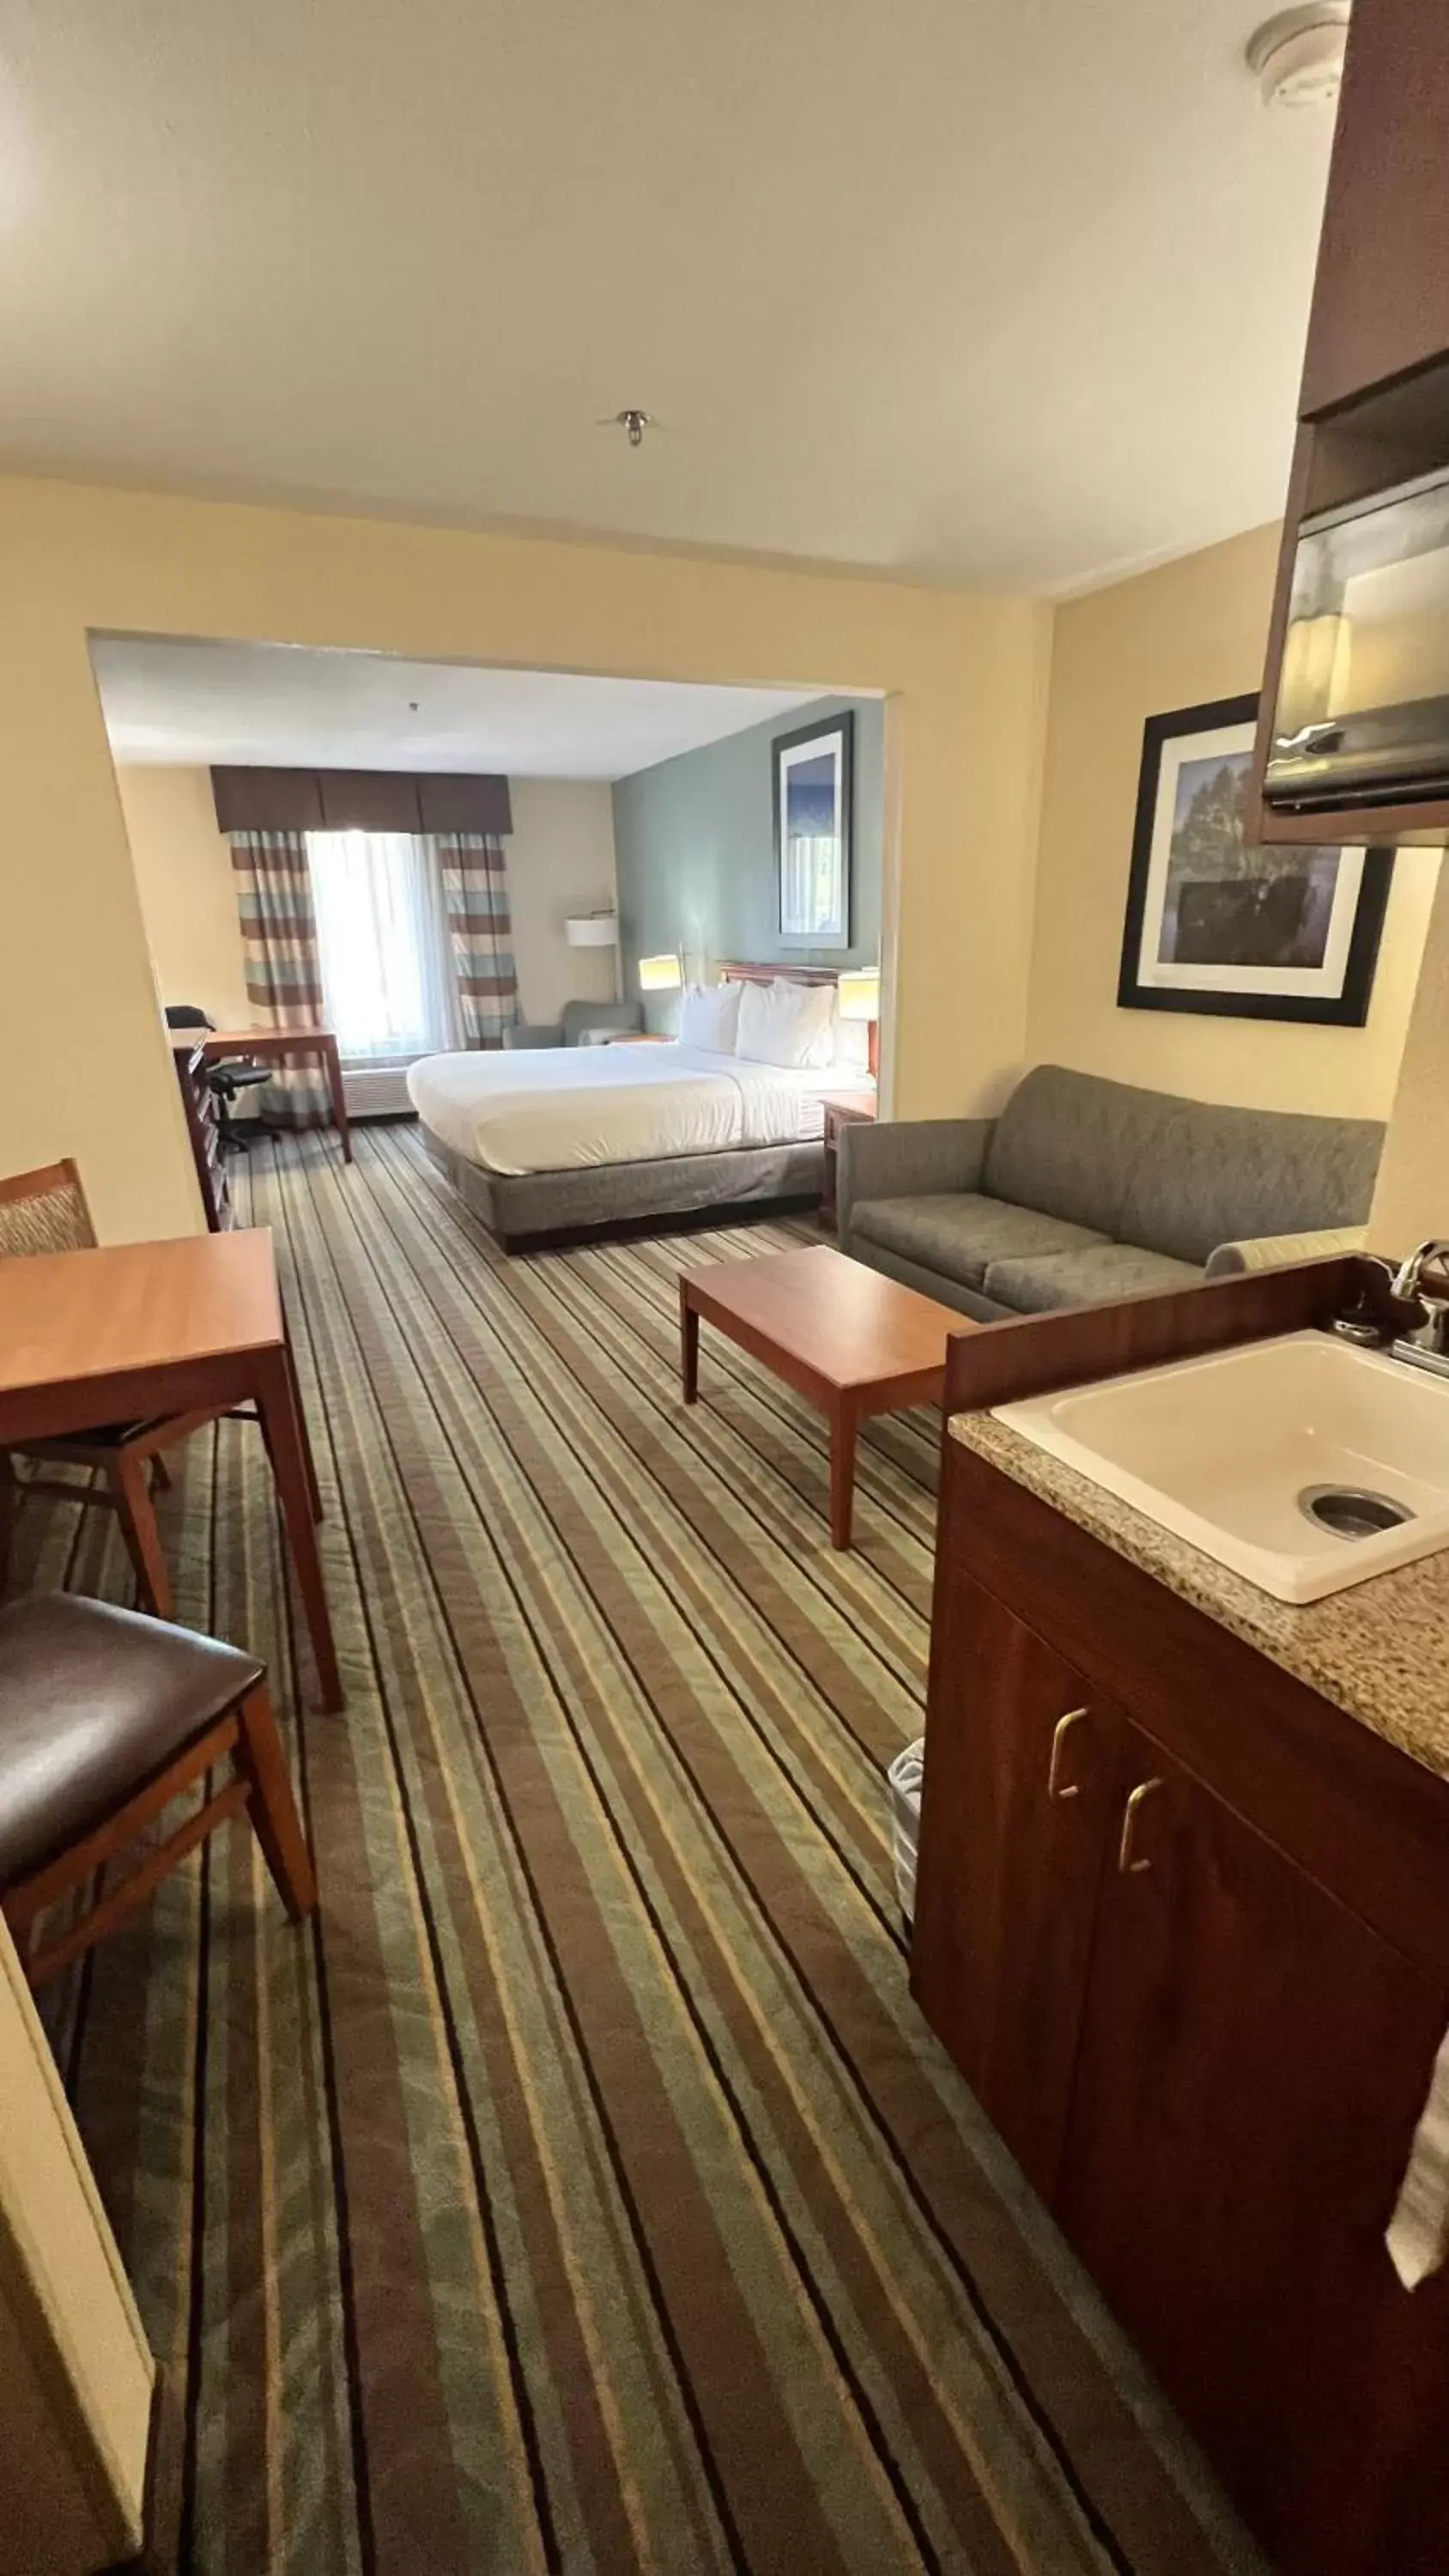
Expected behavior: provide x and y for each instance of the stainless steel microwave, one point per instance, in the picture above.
(1363, 697)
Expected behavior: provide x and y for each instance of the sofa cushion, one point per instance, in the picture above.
(973, 1303)
(1218, 1175)
(1091, 1276)
(1068, 1143)
(961, 1232)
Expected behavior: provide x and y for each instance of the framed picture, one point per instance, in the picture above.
(1215, 923)
(813, 780)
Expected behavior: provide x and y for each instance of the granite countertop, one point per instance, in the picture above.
(1379, 1650)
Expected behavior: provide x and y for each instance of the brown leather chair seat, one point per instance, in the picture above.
(93, 1702)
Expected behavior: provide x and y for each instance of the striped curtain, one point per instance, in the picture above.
(480, 934)
(279, 950)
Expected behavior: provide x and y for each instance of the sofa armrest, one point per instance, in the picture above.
(534, 1033)
(907, 1158)
(1277, 1251)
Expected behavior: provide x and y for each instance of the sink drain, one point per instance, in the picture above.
(1351, 1511)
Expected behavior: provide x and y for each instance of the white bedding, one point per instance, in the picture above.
(560, 1109)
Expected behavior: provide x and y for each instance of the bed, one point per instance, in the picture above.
(565, 1139)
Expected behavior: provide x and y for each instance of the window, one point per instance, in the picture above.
(382, 939)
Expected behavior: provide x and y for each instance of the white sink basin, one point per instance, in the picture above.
(1224, 1450)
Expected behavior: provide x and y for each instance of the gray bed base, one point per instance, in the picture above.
(515, 1206)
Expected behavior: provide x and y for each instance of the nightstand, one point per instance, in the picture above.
(636, 1037)
(844, 1110)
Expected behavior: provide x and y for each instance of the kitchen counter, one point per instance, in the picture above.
(1380, 1651)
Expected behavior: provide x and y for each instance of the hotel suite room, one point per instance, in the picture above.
(516, 2075)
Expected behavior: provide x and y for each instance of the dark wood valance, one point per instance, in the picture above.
(360, 800)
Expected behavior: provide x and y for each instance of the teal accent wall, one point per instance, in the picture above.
(695, 852)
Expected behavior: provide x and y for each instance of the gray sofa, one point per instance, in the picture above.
(1084, 1190)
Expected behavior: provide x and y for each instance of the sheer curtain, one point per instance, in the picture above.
(382, 935)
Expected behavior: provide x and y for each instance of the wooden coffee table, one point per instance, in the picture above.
(847, 1339)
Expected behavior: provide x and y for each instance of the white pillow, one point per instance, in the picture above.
(852, 1050)
(709, 1017)
(787, 1024)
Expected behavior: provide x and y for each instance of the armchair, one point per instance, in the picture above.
(575, 1024)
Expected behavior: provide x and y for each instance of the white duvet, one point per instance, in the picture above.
(559, 1109)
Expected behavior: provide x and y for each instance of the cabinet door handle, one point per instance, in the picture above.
(1060, 1732)
(1129, 1867)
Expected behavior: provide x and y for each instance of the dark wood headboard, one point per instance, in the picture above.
(734, 973)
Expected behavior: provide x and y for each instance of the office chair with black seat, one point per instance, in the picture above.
(225, 1080)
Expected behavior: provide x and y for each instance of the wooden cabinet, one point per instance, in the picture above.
(1022, 1780)
(1208, 2059)
(849, 1110)
(1229, 2176)
(1374, 406)
(1381, 296)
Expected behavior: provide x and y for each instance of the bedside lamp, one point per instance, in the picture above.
(661, 974)
(857, 997)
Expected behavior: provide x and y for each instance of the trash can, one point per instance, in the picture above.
(905, 1776)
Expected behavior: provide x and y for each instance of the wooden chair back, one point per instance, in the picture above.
(44, 1211)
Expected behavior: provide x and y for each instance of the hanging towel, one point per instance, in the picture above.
(1418, 2235)
(904, 1777)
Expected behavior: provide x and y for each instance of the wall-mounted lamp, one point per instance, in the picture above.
(592, 930)
(596, 930)
(858, 998)
(661, 974)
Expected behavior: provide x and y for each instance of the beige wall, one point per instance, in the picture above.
(188, 899)
(1192, 631)
(1412, 1198)
(560, 860)
(75, 2373)
(966, 676)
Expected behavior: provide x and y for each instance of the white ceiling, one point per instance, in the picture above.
(284, 707)
(1004, 292)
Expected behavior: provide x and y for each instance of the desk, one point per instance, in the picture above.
(268, 1045)
(136, 1329)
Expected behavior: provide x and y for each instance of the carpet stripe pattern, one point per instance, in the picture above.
(582, 2191)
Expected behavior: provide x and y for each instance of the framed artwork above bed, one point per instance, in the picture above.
(1216, 924)
(813, 787)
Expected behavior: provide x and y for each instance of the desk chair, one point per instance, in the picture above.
(105, 1717)
(225, 1080)
(46, 1211)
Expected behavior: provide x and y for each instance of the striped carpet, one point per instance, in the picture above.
(582, 2191)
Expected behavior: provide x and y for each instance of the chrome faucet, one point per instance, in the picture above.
(1427, 1347)
(1406, 1277)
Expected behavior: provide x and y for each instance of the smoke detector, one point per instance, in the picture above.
(1297, 57)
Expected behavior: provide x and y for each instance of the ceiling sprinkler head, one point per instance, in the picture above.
(632, 421)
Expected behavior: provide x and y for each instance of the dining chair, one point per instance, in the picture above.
(46, 1211)
(105, 1717)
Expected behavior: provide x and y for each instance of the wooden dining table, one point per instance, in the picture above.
(125, 1332)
